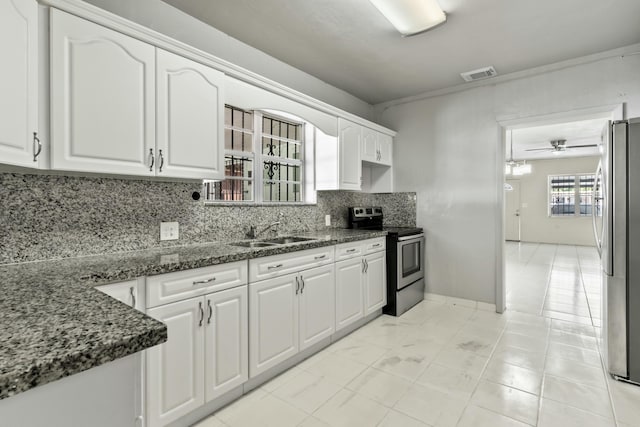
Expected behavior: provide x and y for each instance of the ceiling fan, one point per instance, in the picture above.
(559, 145)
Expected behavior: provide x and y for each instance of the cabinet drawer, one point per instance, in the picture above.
(170, 287)
(375, 245)
(349, 250)
(277, 265)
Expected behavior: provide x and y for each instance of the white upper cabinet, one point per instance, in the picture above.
(19, 83)
(102, 99)
(369, 145)
(190, 118)
(350, 166)
(385, 149)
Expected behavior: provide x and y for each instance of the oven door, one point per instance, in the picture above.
(410, 259)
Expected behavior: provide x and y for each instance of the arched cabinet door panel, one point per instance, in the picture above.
(190, 118)
(19, 83)
(102, 99)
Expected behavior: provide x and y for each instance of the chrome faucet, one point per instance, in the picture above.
(252, 233)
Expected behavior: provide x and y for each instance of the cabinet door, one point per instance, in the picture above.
(350, 136)
(102, 99)
(369, 145)
(349, 298)
(317, 303)
(273, 322)
(385, 149)
(226, 340)
(375, 282)
(190, 118)
(175, 369)
(18, 81)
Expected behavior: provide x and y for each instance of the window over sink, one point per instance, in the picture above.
(265, 158)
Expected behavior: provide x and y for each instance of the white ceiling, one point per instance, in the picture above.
(582, 132)
(350, 45)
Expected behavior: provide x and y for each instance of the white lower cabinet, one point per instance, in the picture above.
(226, 340)
(175, 369)
(289, 313)
(349, 297)
(204, 357)
(375, 282)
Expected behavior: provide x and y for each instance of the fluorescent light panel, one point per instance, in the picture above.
(411, 16)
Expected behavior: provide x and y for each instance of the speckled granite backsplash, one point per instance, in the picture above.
(50, 216)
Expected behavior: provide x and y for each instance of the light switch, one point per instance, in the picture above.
(327, 220)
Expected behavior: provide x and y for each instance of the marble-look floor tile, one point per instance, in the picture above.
(398, 419)
(563, 351)
(357, 350)
(313, 422)
(380, 386)
(579, 396)
(576, 371)
(211, 421)
(520, 357)
(306, 391)
(348, 409)
(431, 406)
(405, 365)
(507, 401)
(626, 401)
(457, 383)
(336, 368)
(263, 410)
(475, 416)
(462, 360)
(513, 376)
(555, 414)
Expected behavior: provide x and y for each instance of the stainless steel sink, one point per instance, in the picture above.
(289, 239)
(257, 244)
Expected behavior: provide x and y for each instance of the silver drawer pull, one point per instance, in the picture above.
(274, 266)
(199, 282)
(376, 245)
(320, 256)
(352, 250)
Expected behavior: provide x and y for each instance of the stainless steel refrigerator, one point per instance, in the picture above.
(616, 219)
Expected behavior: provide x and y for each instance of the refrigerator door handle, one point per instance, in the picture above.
(595, 203)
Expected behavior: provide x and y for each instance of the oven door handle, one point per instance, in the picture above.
(412, 237)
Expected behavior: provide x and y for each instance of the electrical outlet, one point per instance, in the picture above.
(169, 231)
(327, 220)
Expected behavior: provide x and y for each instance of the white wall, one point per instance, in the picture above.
(174, 23)
(535, 223)
(446, 151)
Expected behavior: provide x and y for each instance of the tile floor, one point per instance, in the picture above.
(440, 364)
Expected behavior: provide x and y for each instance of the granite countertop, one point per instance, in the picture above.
(53, 323)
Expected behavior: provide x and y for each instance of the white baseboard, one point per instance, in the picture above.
(479, 305)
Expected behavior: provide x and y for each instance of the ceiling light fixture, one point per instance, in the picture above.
(513, 167)
(411, 17)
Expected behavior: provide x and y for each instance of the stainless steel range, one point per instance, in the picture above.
(405, 258)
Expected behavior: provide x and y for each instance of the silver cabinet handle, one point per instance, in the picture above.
(152, 160)
(297, 285)
(321, 256)
(377, 245)
(201, 313)
(271, 267)
(133, 297)
(366, 266)
(363, 266)
(161, 160)
(351, 250)
(302, 280)
(199, 282)
(210, 312)
(36, 151)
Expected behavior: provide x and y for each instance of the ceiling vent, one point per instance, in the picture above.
(479, 74)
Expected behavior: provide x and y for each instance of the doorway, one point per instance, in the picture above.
(511, 239)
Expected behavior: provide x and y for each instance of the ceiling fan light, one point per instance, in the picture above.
(411, 17)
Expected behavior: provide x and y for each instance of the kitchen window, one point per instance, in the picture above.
(566, 190)
(264, 159)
